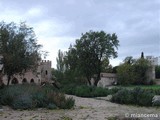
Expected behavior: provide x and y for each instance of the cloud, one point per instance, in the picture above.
(34, 12)
(59, 23)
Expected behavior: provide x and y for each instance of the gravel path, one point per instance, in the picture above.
(85, 109)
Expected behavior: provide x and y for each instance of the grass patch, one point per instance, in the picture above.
(132, 95)
(88, 91)
(85, 91)
(153, 87)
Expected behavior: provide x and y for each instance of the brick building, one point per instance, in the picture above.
(40, 75)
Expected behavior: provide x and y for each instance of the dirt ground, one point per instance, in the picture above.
(85, 109)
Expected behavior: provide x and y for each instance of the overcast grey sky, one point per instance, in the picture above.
(57, 23)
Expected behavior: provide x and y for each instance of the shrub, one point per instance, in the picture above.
(123, 96)
(67, 103)
(39, 99)
(8, 94)
(151, 82)
(2, 86)
(156, 103)
(114, 90)
(137, 96)
(60, 101)
(84, 91)
(156, 91)
(23, 101)
(32, 96)
(99, 92)
(142, 97)
(51, 106)
(87, 91)
(69, 89)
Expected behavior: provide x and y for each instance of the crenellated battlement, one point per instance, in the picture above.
(46, 63)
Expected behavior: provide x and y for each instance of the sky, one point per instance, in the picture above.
(58, 23)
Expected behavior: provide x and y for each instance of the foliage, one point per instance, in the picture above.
(86, 91)
(71, 58)
(51, 106)
(23, 101)
(133, 71)
(156, 103)
(141, 67)
(60, 62)
(8, 95)
(137, 96)
(59, 76)
(66, 71)
(125, 74)
(156, 91)
(60, 100)
(39, 99)
(19, 48)
(32, 96)
(114, 69)
(123, 97)
(69, 89)
(69, 103)
(106, 67)
(73, 73)
(89, 52)
(146, 87)
(114, 90)
(92, 49)
(157, 70)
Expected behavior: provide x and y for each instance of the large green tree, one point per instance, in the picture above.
(18, 46)
(92, 49)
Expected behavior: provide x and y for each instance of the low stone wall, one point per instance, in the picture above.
(157, 81)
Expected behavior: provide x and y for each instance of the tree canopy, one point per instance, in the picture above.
(133, 71)
(90, 52)
(18, 46)
(60, 61)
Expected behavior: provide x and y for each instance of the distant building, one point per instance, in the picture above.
(106, 79)
(153, 60)
(40, 75)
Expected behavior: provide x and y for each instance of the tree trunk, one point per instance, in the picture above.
(89, 81)
(1, 81)
(98, 73)
(9, 78)
(97, 79)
